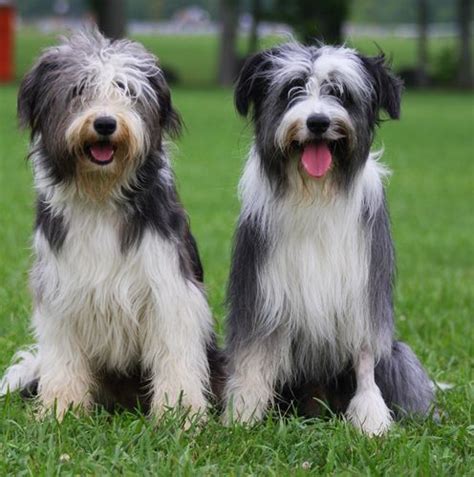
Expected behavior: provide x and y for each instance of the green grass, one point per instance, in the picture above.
(430, 194)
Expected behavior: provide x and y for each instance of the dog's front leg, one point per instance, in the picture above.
(65, 379)
(174, 348)
(250, 388)
(367, 410)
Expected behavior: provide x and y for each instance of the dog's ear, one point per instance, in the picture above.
(386, 85)
(252, 82)
(32, 100)
(170, 119)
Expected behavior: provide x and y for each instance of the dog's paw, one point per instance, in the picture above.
(368, 412)
(195, 418)
(242, 414)
(192, 412)
(59, 409)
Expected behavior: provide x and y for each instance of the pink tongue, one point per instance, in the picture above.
(316, 159)
(102, 152)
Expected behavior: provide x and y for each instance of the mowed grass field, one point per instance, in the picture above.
(430, 151)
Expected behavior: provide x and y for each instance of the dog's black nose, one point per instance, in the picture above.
(105, 125)
(318, 123)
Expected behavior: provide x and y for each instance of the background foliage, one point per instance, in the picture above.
(363, 11)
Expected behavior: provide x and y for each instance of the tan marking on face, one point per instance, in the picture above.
(96, 181)
(291, 135)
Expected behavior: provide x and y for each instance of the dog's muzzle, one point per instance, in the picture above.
(105, 125)
(316, 159)
(316, 155)
(102, 151)
(318, 123)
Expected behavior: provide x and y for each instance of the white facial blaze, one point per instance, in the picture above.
(335, 68)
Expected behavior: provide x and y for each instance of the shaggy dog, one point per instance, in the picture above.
(120, 312)
(310, 292)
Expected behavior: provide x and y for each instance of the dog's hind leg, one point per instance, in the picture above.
(22, 374)
(404, 383)
(367, 409)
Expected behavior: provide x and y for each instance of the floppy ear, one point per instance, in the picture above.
(387, 86)
(31, 98)
(252, 81)
(170, 120)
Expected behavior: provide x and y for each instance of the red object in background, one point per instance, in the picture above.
(7, 20)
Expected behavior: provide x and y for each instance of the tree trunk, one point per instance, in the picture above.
(227, 65)
(465, 79)
(256, 10)
(422, 68)
(322, 21)
(111, 17)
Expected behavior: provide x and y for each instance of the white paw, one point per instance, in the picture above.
(368, 412)
(195, 408)
(243, 413)
(59, 407)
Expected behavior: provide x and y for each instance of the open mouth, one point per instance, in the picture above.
(316, 158)
(101, 153)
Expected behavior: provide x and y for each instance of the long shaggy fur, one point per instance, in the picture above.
(310, 290)
(120, 313)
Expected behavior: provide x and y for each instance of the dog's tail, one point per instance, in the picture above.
(23, 372)
(404, 384)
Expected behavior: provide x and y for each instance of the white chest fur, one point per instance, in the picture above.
(314, 280)
(99, 293)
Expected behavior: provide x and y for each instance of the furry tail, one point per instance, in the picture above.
(22, 373)
(404, 383)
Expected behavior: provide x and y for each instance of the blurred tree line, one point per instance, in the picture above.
(362, 11)
(310, 19)
(401, 11)
(136, 9)
(324, 20)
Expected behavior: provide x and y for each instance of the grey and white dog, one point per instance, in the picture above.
(120, 312)
(310, 290)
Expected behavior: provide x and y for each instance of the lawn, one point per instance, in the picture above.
(430, 194)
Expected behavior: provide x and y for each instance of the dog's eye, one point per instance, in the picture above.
(77, 90)
(293, 89)
(337, 91)
(125, 88)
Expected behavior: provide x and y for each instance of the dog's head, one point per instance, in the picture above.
(96, 109)
(315, 108)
